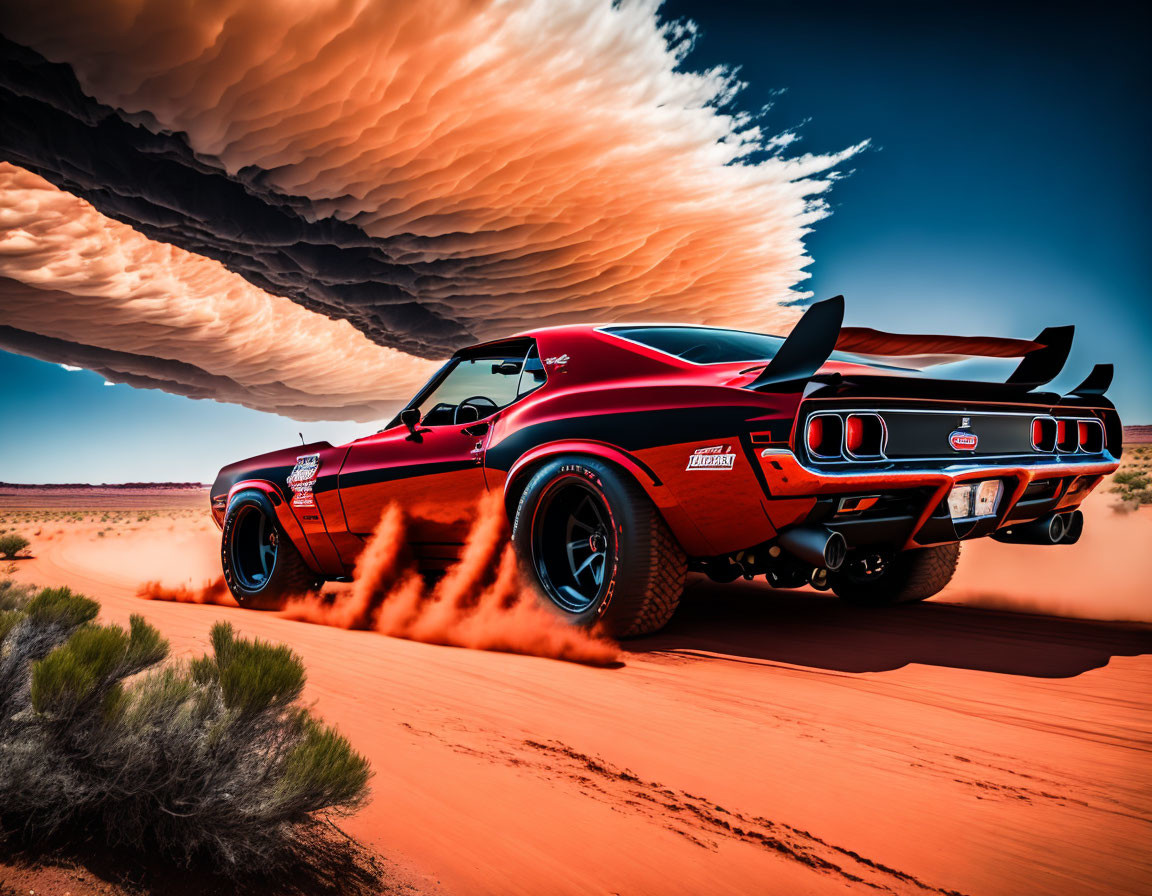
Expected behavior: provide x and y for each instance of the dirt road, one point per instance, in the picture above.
(766, 742)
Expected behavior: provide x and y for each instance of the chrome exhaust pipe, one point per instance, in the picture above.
(815, 545)
(1046, 530)
(1073, 527)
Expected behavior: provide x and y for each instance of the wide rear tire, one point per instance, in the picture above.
(597, 547)
(261, 565)
(909, 576)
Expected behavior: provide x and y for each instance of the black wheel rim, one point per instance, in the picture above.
(254, 548)
(573, 545)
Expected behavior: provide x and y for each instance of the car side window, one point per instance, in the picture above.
(479, 386)
(533, 375)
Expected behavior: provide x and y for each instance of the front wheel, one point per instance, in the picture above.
(598, 548)
(262, 567)
(909, 576)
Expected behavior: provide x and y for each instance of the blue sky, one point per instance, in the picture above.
(1007, 189)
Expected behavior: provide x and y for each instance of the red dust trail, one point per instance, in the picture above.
(481, 602)
(213, 592)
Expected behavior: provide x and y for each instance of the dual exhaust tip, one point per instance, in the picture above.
(824, 549)
(1056, 528)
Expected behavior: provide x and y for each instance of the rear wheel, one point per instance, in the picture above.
(909, 576)
(261, 565)
(598, 548)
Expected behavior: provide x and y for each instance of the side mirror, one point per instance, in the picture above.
(507, 368)
(410, 417)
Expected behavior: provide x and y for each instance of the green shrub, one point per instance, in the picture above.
(12, 544)
(211, 761)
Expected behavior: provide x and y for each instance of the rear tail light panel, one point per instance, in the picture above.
(844, 435)
(1077, 435)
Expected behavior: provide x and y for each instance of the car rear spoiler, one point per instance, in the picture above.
(820, 332)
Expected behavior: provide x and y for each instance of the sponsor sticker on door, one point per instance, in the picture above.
(715, 457)
(302, 479)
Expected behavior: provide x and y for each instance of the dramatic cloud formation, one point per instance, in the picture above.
(433, 173)
(79, 288)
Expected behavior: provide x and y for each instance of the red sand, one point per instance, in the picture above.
(765, 742)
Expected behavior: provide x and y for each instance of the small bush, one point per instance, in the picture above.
(12, 544)
(211, 761)
(1133, 487)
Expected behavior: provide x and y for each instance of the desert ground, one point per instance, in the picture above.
(994, 740)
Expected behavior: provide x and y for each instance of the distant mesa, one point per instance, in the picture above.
(82, 486)
(1138, 435)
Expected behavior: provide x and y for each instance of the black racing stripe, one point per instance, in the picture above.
(328, 482)
(277, 475)
(630, 430)
(392, 474)
(754, 462)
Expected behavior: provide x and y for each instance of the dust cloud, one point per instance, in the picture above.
(481, 602)
(211, 592)
(1107, 575)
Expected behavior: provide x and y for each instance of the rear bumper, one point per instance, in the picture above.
(910, 509)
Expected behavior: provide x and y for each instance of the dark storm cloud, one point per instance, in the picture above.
(154, 183)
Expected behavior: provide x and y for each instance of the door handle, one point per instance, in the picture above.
(475, 429)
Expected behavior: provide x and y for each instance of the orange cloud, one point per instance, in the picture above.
(433, 173)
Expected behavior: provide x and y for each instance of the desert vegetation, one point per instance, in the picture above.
(1133, 481)
(211, 763)
(11, 544)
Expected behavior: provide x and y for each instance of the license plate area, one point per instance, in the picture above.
(975, 500)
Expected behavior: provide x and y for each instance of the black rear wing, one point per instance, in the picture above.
(820, 332)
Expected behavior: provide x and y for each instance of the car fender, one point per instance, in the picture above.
(678, 520)
(284, 515)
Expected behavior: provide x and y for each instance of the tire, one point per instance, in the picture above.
(261, 565)
(642, 568)
(909, 576)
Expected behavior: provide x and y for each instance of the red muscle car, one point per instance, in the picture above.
(629, 455)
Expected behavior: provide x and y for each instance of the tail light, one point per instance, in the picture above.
(815, 433)
(1045, 434)
(864, 435)
(823, 435)
(1067, 437)
(853, 434)
(1090, 436)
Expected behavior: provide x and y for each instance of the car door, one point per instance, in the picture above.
(435, 472)
(436, 480)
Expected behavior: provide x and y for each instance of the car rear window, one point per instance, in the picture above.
(704, 345)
